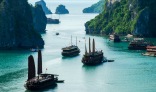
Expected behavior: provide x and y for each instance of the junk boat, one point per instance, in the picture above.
(42, 80)
(151, 51)
(57, 33)
(71, 51)
(115, 38)
(93, 57)
(53, 21)
(138, 44)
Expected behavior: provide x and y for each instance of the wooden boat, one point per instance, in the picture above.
(94, 57)
(71, 51)
(53, 21)
(115, 38)
(138, 44)
(57, 33)
(151, 51)
(42, 80)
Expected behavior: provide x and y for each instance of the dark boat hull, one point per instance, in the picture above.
(40, 86)
(137, 48)
(70, 54)
(93, 61)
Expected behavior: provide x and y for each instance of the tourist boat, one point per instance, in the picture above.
(71, 51)
(57, 33)
(115, 38)
(42, 80)
(138, 44)
(53, 21)
(151, 51)
(93, 57)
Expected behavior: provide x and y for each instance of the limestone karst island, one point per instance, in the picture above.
(77, 45)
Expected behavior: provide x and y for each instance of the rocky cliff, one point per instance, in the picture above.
(16, 26)
(39, 19)
(45, 8)
(125, 16)
(95, 8)
(61, 9)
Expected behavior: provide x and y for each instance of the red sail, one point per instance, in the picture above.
(31, 67)
(39, 62)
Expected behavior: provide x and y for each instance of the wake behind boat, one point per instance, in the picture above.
(42, 80)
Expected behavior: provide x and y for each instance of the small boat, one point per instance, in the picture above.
(150, 51)
(110, 60)
(53, 21)
(93, 57)
(42, 80)
(71, 51)
(115, 38)
(57, 33)
(138, 44)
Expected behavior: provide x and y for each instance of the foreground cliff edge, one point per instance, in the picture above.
(16, 26)
(125, 16)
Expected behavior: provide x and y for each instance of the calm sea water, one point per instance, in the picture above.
(131, 72)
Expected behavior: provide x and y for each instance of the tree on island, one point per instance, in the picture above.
(61, 9)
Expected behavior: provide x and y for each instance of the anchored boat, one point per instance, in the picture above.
(42, 80)
(115, 38)
(93, 57)
(151, 51)
(138, 44)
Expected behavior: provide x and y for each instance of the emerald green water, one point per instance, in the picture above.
(131, 72)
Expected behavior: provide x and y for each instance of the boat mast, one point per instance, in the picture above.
(71, 40)
(76, 41)
(39, 71)
(85, 48)
(31, 67)
(93, 46)
(89, 46)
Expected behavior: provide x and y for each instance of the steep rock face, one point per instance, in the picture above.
(61, 9)
(39, 19)
(95, 8)
(16, 26)
(43, 4)
(125, 16)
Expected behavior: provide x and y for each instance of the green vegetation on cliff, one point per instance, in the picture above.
(16, 26)
(125, 16)
(95, 8)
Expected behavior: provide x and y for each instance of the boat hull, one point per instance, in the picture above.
(70, 54)
(40, 85)
(94, 61)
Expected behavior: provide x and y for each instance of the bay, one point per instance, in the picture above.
(131, 72)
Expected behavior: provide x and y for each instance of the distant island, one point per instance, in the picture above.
(45, 8)
(17, 29)
(137, 17)
(95, 8)
(61, 9)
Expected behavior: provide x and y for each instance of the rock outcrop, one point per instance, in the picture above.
(16, 26)
(61, 9)
(95, 8)
(125, 16)
(39, 19)
(45, 8)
